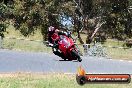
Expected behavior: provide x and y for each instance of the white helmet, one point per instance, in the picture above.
(51, 29)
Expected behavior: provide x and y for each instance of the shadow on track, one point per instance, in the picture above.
(67, 60)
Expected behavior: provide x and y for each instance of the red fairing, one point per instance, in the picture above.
(66, 44)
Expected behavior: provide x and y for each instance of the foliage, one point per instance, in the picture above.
(116, 14)
(3, 13)
(117, 19)
(30, 15)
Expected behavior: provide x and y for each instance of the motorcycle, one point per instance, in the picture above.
(67, 47)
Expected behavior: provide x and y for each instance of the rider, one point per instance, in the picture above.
(55, 31)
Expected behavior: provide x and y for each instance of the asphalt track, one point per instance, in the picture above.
(19, 61)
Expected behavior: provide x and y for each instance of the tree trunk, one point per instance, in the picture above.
(80, 39)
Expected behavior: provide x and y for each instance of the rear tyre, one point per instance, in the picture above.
(76, 55)
(80, 60)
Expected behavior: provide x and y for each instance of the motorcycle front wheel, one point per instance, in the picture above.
(76, 55)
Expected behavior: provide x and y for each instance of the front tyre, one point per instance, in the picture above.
(80, 60)
(76, 55)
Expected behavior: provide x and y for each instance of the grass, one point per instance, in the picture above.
(112, 42)
(25, 45)
(28, 80)
(118, 53)
(11, 32)
(114, 53)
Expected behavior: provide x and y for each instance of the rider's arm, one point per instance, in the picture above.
(62, 33)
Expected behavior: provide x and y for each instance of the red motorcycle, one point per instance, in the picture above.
(67, 47)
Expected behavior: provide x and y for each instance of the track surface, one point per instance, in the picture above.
(16, 61)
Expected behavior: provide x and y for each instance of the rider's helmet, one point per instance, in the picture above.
(51, 30)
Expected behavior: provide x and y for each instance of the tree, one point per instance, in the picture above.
(31, 15)
(3, 18)
(114, 13)
(39, 14)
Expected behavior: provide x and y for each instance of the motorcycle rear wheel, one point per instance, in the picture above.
(76, 55)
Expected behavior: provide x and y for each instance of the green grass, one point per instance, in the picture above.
(112, 42)
(25, 45)
(117, 53)
(114, 53)
(11, 32)
(48, 81)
